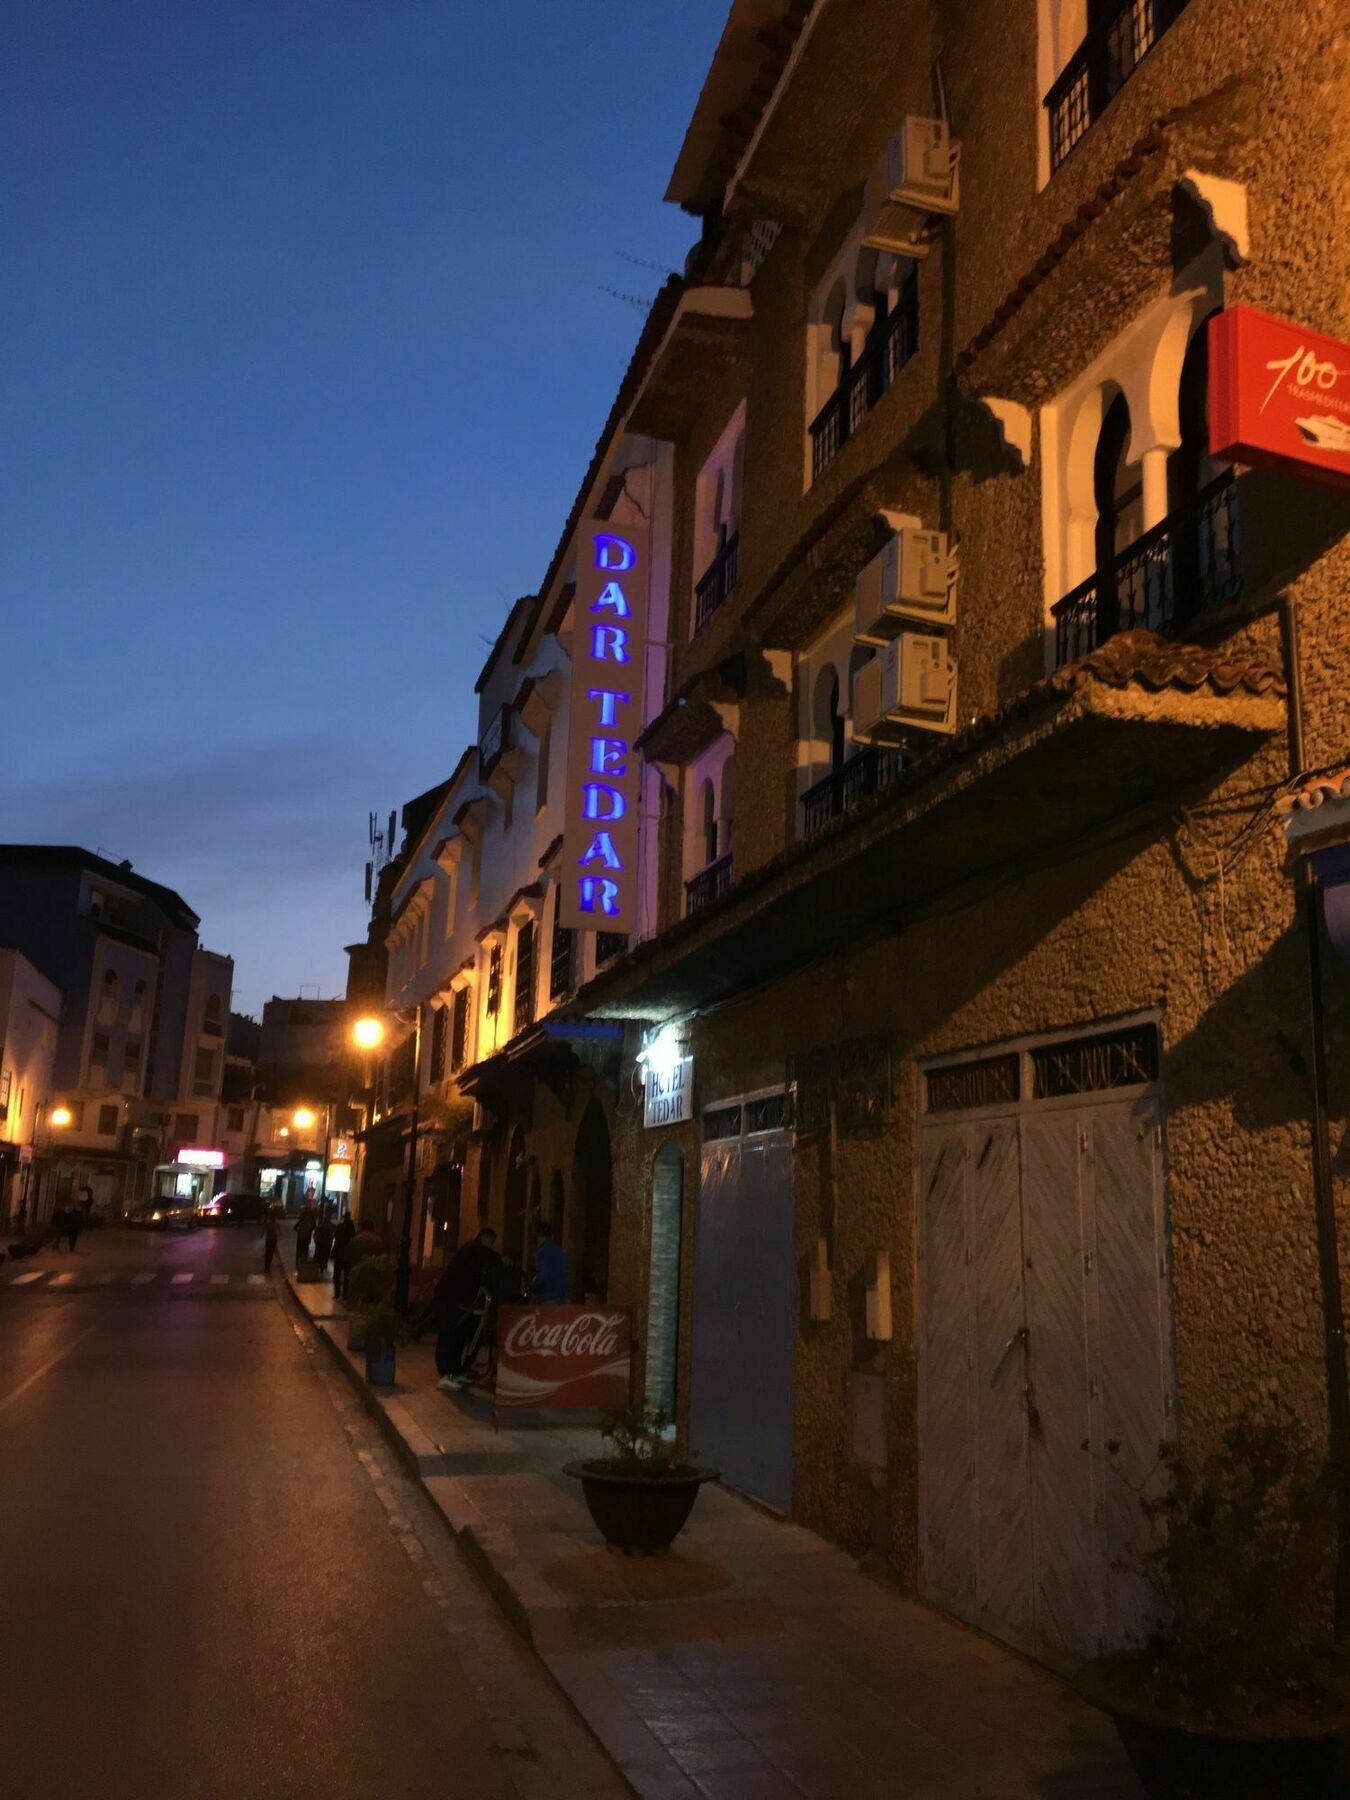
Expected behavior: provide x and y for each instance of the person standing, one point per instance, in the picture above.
(74, 1226)
(304, 1233)
(323, 1242)
(473, 1268)
(551, 1285)
(343, 1236)
(270, 1232)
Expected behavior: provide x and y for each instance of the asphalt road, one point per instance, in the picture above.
(211, 1581)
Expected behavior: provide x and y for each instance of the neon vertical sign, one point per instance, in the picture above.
(600, 837)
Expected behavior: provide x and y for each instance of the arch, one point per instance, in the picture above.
(1117, 484)
(707, 817)
(589, 1226)
(513, 1205)
(1190, 465)
(663, 1287)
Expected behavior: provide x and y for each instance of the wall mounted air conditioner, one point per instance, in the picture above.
(908, 686)
(912, 577)
(913, 180)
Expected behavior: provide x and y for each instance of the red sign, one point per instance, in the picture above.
(1279, 396)
(557, 1356)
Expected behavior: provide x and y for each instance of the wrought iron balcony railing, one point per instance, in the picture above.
(891, 343)
(717, 582)
(1185, 567)
(708, 885)
(1101, 65)
(869, 769)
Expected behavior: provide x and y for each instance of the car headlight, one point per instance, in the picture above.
(157, 1215)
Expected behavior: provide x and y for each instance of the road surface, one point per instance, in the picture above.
(215, 1583)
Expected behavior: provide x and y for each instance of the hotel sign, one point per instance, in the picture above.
(1279, 396)
(600, 833)
(668, 1094)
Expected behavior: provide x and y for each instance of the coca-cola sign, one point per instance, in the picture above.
(562, 1356)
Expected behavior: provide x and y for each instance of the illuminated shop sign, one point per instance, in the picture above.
(1279, 396)
(194, 1157)
(600, 837)
(668, 1093)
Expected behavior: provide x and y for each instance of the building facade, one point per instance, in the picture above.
(951, 1100)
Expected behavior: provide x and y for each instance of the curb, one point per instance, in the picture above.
(462, 1532)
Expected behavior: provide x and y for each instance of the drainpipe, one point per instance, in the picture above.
(1324, 1207)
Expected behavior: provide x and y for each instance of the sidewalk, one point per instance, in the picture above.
(755, 1662)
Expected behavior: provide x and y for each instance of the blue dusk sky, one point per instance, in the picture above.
(306, 349)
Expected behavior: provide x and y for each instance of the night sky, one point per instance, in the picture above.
(306, 348)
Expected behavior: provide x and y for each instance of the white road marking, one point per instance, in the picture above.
(181, 1280)
(256, 1280)
(140, 1280)
(28, 1275)
(61, 1279)
(37, 1374)
(219, 1280)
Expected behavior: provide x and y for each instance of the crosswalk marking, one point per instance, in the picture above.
(90, 1278)
(29, 1275)
(219, 1280)
(61, 1279)
(181, 1280)
(140, 1280)
(256, 1280)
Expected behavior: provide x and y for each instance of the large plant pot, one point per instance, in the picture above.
(1294, 1758)
(381, 1362)
(638, 1515)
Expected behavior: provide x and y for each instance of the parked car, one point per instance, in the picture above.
(164, 1215)
(235, 1209)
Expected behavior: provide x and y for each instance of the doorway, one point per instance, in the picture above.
(590, 1220)
(1046, 1376)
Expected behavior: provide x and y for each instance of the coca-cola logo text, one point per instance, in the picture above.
(589, 1334)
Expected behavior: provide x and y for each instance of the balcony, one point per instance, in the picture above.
(890, 344)
(716, 584)
(1100, 67)
(1186, 567)
(868, 770)
(708, 886)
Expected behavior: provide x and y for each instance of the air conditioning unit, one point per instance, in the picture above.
(912, 578)
(908, 686)
(914, 179)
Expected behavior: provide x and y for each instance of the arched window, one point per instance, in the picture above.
(1189, 466)
(1118, 491)
(828, 721)
(108, 998)
(707, 801)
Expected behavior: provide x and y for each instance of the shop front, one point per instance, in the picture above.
(193, 1176)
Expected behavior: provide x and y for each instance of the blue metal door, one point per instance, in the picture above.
(740, 1413)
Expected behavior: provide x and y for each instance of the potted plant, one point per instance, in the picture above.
(382, 1331)
(367, 1285)
(641, 1492)
(1237, 1694)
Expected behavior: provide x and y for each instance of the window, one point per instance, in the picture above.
(204, 1071)
(717, 512)
(211, 1023)
(98, 1059)
(438, 1036)
(990, 1081)
(560, 959)
(459, 1029)
(865, 330)
(108, 998)
(524, 975)
(541, 766)
(235, 1118)
(1120, 33)
(1119, 1059)
(131, 1066)
(185, 1126)
(108, 1117)
(708, 821)
(137, 1019)
(494, 981)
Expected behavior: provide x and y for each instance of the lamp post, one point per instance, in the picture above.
(58, 1116)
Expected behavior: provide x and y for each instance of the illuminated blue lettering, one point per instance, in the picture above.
(612, 596)
(609, 701)
(607, 756)
(599, 888)
(613, 552)
(601, 850)
(609, 641)
(595, 796)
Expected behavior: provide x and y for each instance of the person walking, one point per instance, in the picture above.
(270, 1234)
(74, 1226)
(323, 1243)
(57, 1226)
(551, 1284)
(473, 1268)
(343, 1236)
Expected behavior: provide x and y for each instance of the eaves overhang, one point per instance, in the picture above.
(1100, 745)
(697, 715)
(707, 340)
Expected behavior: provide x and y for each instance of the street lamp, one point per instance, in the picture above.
(60, 1116)
(368, 1033)
(302, 1118)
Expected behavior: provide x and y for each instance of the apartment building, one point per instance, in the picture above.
(945, 1113)
(139, 1048)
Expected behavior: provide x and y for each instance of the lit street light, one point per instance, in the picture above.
(60, 1115)
(302, 1118)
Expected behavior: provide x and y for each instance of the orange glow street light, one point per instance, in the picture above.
(368, 1034)
(60, 1115)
